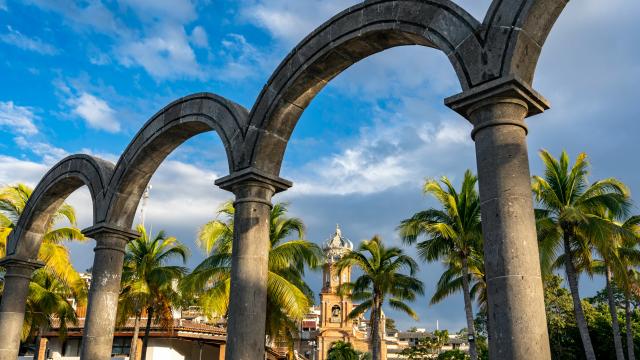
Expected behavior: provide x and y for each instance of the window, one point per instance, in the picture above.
(121, 346)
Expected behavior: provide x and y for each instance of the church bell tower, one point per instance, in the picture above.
(335, 308)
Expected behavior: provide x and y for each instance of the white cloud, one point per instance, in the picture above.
(241, 59)
(290, 20)
(96, 112)
(3, 5)
(16, 38)
(14, 170)
(49, 153)
(199, 37)
(83, 15)
(164, 55)
(399, 150)
(17, 119)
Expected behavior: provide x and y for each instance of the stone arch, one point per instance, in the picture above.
(64, 178)
(166, 130)
(507, 43)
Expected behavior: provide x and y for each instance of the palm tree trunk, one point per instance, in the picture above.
(134, 338)
(627, 311)
(36, 353)
(147, 330)
(577, 305)
(617, 340)
(473, 351)
(376, 334)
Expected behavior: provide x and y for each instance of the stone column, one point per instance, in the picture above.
(16, 289)
(111, 242)
(249, 265)
(517, 319)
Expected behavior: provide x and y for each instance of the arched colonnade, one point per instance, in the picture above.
(495, 62)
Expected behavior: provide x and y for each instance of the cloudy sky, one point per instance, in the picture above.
(83, 76)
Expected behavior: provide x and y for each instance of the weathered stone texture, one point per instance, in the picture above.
(495, 62)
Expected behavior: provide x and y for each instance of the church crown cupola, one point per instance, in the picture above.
(337, 246)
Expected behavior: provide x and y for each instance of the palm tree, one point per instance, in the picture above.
(453, 234)
(288, 296)
(450, 281)
(341, 350)
(616, 243)
(569, 215)
(380, 278)
(149, 283)
(58, 277)
(629, 257)
(47, 302)
(53, 252)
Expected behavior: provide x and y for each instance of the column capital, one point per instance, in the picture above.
(509, 87)
(110, 229)
(13, 261)
(255, 175)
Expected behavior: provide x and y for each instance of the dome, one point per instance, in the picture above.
(337, 245)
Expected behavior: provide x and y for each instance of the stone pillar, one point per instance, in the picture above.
(517, 319)
(111, 242)
(14, 297)
(249, 265)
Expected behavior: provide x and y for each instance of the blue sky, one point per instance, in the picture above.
(83, 76)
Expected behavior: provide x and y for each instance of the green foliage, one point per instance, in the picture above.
(453, 355)
(288, 295)
(390, 326)
(453, 234)
(58, 280)
(426, 347)
(564, 337)
(381, 280)
(341, 350)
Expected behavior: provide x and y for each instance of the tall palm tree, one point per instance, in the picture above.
(629, 257)
(48, 301)
(450, 281)
(569, 214)
(58, 277)
(288, 296)
(380, 279)
(53, 251)
(453, 234)
(149, 282)
(617, 245)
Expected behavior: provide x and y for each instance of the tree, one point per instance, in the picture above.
(563, 332)
(288, 295)
(57, 278)
(453, 234)
(381, 278)
(453, 355)
(341, 350)
(617, 247)
(428, 346)
(568, 214)
(53, 251)
(629, 257)
(47, 302)
(149, 283)
(390, 326)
